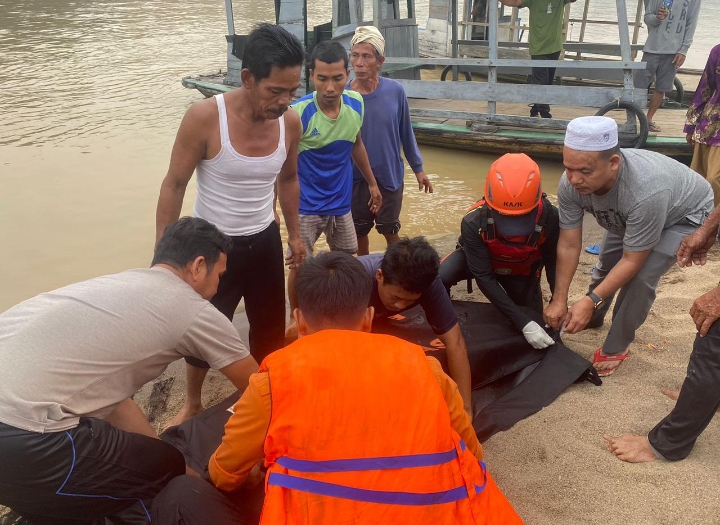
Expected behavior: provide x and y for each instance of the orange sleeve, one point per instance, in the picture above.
(459, 419)
(244, 439)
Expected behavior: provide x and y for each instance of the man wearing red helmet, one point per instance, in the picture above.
(506, 239)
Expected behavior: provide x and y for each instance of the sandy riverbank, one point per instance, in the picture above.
(553, 466)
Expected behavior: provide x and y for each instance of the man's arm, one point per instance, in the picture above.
(288, 189)
(440, 313)
(690, 26)
(360, 158)
(549, 249)
(694, 248)
(240, 371)
(480, 266)
(409, 145)
(629, 265)
(129, 417)
(277, 217)
(458, 363)
(460, 420)
(568, 256)
(512, 3)
(706, 310)
(187, 152)
(654, 14)
(244, 438)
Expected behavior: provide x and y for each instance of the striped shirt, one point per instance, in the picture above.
(325, 166)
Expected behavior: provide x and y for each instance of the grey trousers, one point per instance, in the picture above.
(637, 296)
(674, 437)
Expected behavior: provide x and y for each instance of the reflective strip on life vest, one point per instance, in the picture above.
(478, 490)
(386, 463)
(323, 488)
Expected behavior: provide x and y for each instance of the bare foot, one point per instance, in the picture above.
(602, 366)
(633, 449)
(674, 394)
(186, 412)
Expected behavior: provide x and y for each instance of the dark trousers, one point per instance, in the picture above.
(82, 475)
(674, 437)
(255, 272)
(523, 290)
(542, 76)
(188, 500)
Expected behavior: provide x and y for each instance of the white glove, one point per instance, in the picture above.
(536, 336)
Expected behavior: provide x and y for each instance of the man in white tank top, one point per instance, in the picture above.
(243, 145)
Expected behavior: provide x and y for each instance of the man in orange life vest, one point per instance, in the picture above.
(506, 239)
(353, 427)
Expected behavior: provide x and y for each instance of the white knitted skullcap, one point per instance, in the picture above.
(370, 35)
(591, 134)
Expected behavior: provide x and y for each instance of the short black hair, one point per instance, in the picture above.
(608, 153)
(329, 51)
(411, 264)
(189, 238)
(333, 290)
(269, 46)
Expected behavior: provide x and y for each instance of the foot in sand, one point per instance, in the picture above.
(674, 394)
(187, 411)
(633, 449)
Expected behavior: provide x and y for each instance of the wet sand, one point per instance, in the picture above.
(553, 466)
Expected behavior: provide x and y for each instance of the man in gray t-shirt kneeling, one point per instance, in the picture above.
(647, 203)
(74, 446)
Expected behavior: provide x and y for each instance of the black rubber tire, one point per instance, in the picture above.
(679, 90)
(639, 114)
(448, 69)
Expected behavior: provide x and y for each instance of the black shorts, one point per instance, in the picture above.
(387, 221)
(255, 271)
(83, 474)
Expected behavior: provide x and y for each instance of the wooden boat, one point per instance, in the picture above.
(535, 143)
(487, 116)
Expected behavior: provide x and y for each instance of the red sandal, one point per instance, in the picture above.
(599, 358)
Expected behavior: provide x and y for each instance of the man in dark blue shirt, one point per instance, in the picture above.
(386, 129)
(407, 275)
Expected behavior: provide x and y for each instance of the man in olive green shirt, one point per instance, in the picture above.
(546, 40)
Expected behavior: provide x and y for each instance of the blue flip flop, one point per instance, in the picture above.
(593, 249)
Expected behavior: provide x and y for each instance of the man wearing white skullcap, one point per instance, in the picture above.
(647, 203)
(386, 129)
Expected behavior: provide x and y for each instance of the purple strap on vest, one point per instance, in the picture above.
(323, 488)
(369, 496)
(386, 463)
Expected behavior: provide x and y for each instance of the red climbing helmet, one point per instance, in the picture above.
(513, 184)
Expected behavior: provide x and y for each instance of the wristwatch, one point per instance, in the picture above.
(595, 299)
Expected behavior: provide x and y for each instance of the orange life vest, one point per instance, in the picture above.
(513, 255)
(360, 434)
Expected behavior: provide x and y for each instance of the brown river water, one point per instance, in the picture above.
(89, 106)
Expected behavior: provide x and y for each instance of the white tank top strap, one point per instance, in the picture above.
(281, 142)
(222, 114)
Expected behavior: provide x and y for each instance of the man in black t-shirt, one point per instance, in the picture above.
(407, 275)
